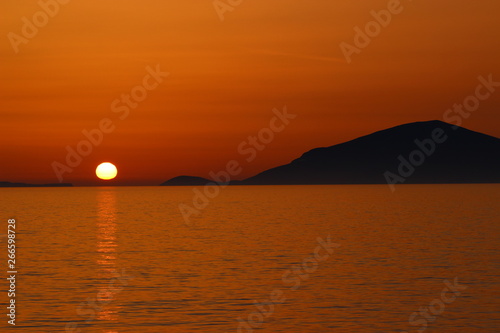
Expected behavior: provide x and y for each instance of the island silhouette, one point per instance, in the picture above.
(428, 152)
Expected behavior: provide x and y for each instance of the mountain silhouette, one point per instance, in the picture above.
(427, 152)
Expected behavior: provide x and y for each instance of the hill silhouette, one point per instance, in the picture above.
(186, 181)
(416, 153)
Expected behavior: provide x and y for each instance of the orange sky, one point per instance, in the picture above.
(226, 78)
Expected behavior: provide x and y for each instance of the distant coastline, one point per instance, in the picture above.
(9, 184)
(427, 152)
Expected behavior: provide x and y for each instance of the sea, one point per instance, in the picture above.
(326, 258)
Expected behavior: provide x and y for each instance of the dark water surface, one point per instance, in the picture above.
(123, 259)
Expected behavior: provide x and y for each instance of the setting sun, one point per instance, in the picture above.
(106, 171)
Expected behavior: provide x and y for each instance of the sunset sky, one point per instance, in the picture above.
(225, 79)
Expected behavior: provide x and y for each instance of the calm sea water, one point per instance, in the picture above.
(123, 260)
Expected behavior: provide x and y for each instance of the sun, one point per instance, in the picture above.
(106, 171)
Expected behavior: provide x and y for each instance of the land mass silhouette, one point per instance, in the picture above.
(9, 184)
(429, 152)
(186, 181)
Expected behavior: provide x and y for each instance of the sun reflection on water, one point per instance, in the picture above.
(107, 253)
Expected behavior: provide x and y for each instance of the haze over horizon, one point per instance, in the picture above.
(226, 77)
